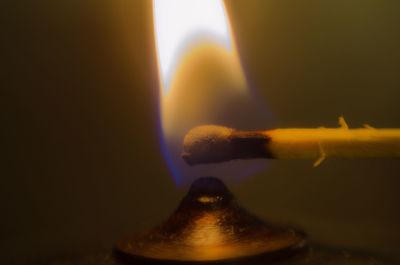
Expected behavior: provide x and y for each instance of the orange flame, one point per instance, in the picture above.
(201, 76)
(181, 23)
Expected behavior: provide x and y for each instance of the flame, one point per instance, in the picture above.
(201, 77)
(180, 23)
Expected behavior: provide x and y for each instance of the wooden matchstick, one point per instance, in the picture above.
(213, 144)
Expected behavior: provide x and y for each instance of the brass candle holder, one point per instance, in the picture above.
(210, 227)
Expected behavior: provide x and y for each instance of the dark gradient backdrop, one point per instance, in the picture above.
(81, 166)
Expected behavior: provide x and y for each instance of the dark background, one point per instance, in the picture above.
(81, 166)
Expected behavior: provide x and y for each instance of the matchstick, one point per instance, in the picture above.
(213, 144)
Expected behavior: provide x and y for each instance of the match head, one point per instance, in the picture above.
(214, 144)
(207, 144)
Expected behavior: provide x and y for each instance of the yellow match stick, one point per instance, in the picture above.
(213, 144)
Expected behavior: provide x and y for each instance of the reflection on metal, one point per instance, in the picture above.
(209, 226)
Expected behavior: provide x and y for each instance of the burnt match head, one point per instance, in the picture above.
(214, 144)
(207, 143)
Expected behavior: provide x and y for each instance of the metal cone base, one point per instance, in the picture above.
(210, 227)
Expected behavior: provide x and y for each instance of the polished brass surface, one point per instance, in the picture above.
(209, 226)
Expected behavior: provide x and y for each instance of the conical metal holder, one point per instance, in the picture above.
(210, 227)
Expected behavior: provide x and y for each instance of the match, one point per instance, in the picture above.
(214, 144)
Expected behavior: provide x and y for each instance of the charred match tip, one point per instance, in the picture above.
(214, 144)
(207, 144)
